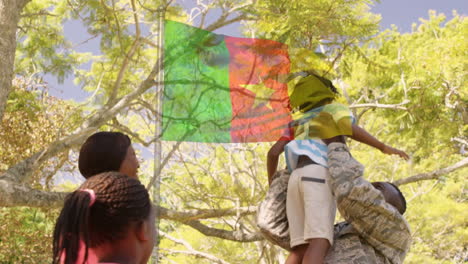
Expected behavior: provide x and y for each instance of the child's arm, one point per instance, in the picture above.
(273, 157)
(363, 136)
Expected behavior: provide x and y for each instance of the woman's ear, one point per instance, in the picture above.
(143, 231)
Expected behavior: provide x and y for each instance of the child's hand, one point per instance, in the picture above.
(393, 151)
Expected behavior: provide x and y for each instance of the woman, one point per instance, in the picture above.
(108, 151)
(112, 215)
(103, 152)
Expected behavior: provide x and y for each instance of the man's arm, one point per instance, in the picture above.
(273, 157)
(365, 207)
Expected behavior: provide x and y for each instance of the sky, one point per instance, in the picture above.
(402, 13)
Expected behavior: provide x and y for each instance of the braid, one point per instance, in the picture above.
(71, 225)
(119, 201)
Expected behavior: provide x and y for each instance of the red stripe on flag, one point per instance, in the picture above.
(260, 101)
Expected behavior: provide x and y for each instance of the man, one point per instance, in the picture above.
(310, 203)
(375, 230)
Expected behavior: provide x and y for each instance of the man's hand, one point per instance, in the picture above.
(393, 151)
(339, 139)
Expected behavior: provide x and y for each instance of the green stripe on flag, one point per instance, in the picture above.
(196, 100)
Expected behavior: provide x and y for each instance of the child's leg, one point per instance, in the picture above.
(295, 214)
(316, 251)
(319, 213)
(297, 254)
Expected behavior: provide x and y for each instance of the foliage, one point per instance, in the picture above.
(26, 234)
(438, 216)
(316, 31)
(423, 69)
(406, 89)
(424, 72)
(210, 176)
(33, 120)
(383, 71)
(42, 47)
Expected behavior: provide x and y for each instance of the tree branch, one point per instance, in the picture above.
(221, 22)
(434, 174)
(198, 254)
(16, 194)
(236, 235)
(117, 125)
(459, 140)
(128, 56)
(191, 250)
(377, 105)
(21, 171)
(197, 214)
(42, 12)
(163, 163)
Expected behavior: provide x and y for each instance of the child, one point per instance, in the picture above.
(111, 214)
(310, 204)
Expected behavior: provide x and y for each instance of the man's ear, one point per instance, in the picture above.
(142, 231)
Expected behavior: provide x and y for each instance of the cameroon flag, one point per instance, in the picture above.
(223, 89)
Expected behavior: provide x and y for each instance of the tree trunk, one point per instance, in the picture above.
(9, 16)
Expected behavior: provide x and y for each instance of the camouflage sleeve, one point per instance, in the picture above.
(364, 207)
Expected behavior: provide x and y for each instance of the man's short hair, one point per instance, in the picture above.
(402, 198)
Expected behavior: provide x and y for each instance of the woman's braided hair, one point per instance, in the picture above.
(119, 201)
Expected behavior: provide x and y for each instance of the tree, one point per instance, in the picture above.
(9, 16)
(120, 96)
(408, 90)
(223, 182)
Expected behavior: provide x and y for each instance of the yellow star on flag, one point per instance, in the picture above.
(262, 93)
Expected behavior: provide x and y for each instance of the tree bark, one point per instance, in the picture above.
(433, 175)
(9, 17)
(190, 250)
(237, 235)
(16, 194)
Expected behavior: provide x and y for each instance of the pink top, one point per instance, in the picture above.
(92, 259)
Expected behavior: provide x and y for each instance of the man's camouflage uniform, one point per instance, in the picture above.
(374, 231)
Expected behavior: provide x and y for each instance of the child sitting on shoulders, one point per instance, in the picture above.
(310, 203)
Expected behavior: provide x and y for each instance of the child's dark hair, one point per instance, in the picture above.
(101, 152)
(100, 211)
